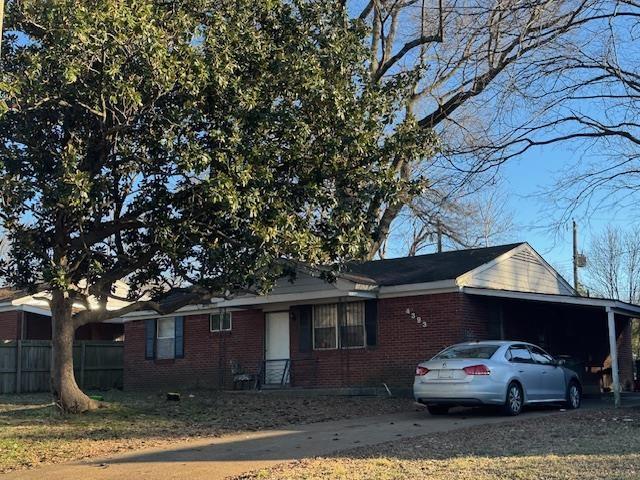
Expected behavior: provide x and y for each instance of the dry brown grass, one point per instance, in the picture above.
(590, 444)
(32, 432)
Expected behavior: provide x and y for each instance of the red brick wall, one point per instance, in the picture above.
(10, 325)
(475, 313)
(207, 355)
(402, 344)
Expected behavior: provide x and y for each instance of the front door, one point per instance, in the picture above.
(276, 352)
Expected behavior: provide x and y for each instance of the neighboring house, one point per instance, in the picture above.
(377, 321)
(28, 317)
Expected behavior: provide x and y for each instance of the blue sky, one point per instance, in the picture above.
(524, 179)
(537, 171)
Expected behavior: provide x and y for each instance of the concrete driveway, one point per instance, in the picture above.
(219, 458)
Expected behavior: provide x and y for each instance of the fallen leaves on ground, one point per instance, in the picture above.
(33, 432)
(584, 445)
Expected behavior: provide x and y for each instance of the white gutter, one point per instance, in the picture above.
(292, 297)
(9, 307)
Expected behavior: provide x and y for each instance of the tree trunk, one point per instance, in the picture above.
(66, 393)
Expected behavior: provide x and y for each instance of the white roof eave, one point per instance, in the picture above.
(615, 305)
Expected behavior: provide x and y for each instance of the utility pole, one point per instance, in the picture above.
(439, 235)
(575, 256)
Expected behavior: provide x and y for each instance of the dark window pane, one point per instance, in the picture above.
(520, 355)
(219, 321)
(352, 327)
(325, 337)
(540, 356)
(226, 321)
(467, 351)
(352, 335)
(325, 324)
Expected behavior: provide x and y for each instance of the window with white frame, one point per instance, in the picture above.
(219, 322)
(352, 327)
(166, 338)
(325, 326)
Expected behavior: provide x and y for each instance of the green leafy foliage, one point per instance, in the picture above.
(192, 143)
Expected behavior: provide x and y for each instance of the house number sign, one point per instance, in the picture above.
(414, 316)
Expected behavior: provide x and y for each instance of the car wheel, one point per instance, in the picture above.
(515, 399)
(437, 409)
(574, 395)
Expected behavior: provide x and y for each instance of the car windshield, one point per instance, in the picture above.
(467, 351)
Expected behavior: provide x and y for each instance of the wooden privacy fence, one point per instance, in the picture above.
(25, 365)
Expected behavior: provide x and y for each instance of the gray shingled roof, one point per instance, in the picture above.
(427, 268)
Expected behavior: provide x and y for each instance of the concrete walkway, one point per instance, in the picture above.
(218, 458)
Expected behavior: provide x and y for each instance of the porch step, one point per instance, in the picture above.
(275, 386)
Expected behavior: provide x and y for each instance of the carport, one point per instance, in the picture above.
(597, 311)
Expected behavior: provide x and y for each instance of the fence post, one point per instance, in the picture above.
(19, 367)
(83, 358)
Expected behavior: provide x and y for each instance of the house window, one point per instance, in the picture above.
(352, 328)
(219, 322)
(348, 316)
(166, 338)
(325, 327)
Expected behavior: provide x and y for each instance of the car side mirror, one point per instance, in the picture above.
(560, 362)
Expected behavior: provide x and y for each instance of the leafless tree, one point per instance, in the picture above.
(494, 78)
(613, 266)
(613, 270)
(474, 219)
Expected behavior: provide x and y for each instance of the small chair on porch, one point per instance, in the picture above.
(242, 378)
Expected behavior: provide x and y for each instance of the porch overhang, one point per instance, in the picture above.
(610, 307)
(617, 306)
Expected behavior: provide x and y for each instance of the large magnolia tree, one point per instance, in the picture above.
(193, 149)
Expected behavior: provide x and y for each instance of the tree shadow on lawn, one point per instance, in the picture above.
(149, 416)
(589, 432)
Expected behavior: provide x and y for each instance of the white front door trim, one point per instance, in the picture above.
(276, 348)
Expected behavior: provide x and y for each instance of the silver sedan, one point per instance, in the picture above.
(509, 374)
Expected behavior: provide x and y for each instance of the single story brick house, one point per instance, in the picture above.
(27, 317)
(376, 321)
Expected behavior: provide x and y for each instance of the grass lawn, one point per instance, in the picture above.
(33, 432)
(587, 444)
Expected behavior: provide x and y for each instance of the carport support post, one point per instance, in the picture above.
(613, 349)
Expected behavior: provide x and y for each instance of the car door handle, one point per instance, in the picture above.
(544, 373)
(520, 371)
